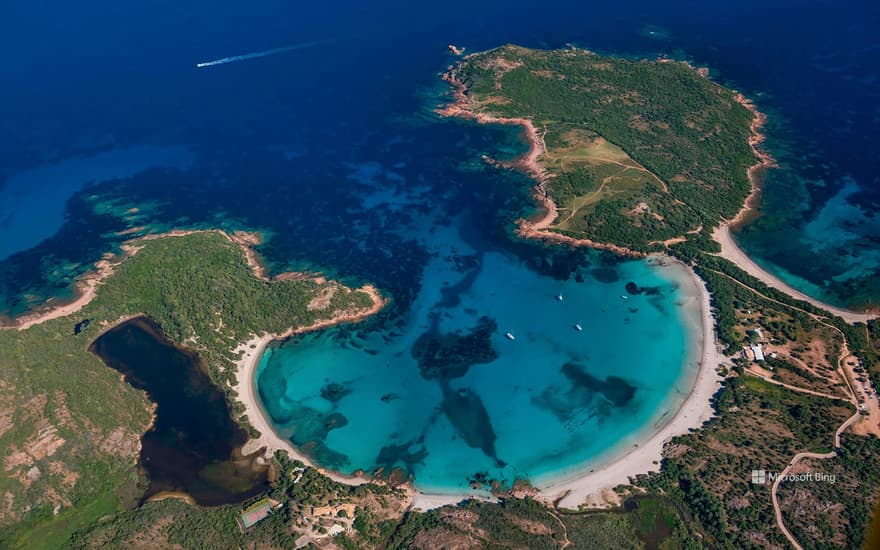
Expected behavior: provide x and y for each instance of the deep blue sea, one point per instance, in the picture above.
(331, 148)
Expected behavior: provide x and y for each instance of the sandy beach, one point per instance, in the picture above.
(732, 252)
(269, 440)
(641, 453)
(592, 483)
(246, 369)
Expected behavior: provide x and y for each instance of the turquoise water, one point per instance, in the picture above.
(332, 152)
(32, 202)
(552, 399)
(828, 251)
(279, 129)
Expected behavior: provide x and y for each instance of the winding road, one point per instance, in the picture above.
(797, 458)
(844, 353)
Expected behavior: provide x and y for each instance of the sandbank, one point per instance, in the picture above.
(731, 251)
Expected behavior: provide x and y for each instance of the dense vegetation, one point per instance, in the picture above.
(834, 514)
(173, 523)
(760, 426)
(380, 522)
(638, 151)
(70, 428)
(643, 522)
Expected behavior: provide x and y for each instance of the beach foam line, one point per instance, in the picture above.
(263, 53)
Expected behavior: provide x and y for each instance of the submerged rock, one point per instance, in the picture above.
(334, 391)
(634, 289)
(389, 397)
(447, 356)
(408, 454)
(468, 415)
(615, 389)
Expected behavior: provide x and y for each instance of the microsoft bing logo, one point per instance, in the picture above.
(761, 477)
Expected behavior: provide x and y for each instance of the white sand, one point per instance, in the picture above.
(426, 501)
(574, 488)
(732, 252)
(643, 452)
(271, 441)
(246, 368)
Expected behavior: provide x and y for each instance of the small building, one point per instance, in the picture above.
(759, 353)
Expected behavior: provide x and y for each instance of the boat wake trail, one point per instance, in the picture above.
(264, 53)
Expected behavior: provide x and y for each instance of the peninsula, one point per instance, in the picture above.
(71, 430)
(635, 155)
(641, 158)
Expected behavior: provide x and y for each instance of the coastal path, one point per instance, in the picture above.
(794, 388)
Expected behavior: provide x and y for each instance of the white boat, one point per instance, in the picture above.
(559, 297)
(624, 297)
(578, 327)
(509, 336)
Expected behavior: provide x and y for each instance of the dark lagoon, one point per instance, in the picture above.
(193, 446)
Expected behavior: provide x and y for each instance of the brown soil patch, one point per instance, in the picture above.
(442, 538)
(121, 442)
(68, 477)
(322, 300)
(45, 442)
(530, 526)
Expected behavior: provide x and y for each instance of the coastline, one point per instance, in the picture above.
(246, 369)
(538, 227)
(530, 163)
(642, 452)
(593, 483)
(85, 290)
(86, 286)
(731, 251)
(269, 441)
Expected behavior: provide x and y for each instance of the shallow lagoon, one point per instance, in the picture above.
(440, 393)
